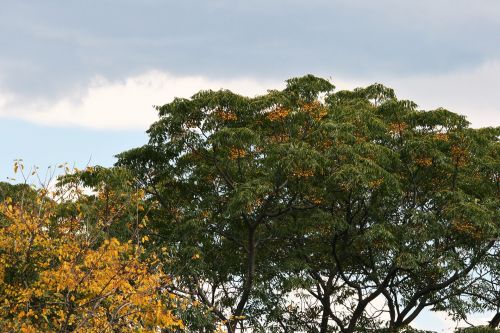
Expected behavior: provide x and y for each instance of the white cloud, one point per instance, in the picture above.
(4, 99)
(127, 104)
(472, 92)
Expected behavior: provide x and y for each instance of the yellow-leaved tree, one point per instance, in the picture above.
(57, 274)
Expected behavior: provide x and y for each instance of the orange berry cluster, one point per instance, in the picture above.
(279, 113)
(226, 116)
(315, 109)
(301, 173)
(424, 161)
(397, 128)
(441, 137)
(237, 153)
(459, 156)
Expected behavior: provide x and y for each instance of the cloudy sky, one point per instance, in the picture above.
(78, 78)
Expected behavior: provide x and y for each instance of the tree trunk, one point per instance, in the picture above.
(326, 314)
(324, 322)
(249, 280)
(495, 321)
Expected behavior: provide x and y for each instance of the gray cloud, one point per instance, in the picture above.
(51, 46)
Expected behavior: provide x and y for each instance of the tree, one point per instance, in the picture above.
(59, 274)
(402, 221)
(482, 292)
(341, 201)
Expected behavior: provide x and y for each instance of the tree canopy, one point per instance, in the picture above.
(301, 210)
(312, 210)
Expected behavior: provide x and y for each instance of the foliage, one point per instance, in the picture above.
(57, 274)
(481, 329)
(300, 209)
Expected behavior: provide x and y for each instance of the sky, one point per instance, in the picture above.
(78, 79)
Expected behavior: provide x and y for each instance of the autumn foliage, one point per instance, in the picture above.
(58, 274)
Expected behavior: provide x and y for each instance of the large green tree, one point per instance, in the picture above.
(409, 210)
(314, 210)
